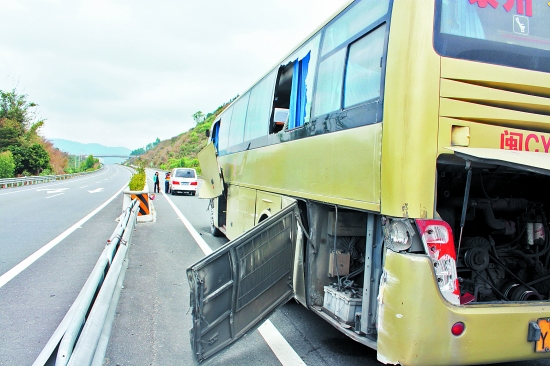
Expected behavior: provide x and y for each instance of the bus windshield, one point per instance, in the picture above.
(504, 32)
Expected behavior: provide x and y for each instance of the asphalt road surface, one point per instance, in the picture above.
(35, 295)
(151, 326)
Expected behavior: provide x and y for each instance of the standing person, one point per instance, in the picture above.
(167, 183)
(156, 182)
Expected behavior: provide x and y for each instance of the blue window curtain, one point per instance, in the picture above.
(215, 134)
(298, 97)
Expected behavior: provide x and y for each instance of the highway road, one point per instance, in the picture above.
(35, 295)
(151, 326)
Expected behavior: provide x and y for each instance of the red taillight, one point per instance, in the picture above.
(438, 240)
(175, 182)
(458, 328)
(193, 183)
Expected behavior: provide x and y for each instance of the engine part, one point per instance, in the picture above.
(343, 304)
(477, 258)
(500, 226)
(517, 292)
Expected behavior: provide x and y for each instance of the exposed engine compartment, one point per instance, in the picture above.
(504, 252)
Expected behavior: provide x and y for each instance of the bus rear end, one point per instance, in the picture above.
(481, 294)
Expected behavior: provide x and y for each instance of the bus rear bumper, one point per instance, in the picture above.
(415, 321)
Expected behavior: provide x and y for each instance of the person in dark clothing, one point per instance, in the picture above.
(156, 181)
(167, 183)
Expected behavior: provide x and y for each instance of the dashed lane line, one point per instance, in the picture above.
(25, 263)
(274, 339)
(65, 181)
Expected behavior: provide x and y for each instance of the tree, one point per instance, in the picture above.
(11, 133)
(33, 159)
(138, 151)
(198, 117)
(15, 107)
(7, 165)
(19, 134)
(89, 162)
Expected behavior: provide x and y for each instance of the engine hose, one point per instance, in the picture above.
(491, 285)
(503, 246)
(511, 273)
(483, 189)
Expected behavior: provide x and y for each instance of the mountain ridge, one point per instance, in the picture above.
(78, 148)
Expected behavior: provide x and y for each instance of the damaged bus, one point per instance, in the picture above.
(390, 175)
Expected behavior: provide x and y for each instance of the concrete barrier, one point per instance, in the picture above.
(145, 214)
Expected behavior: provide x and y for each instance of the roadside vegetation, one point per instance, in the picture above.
(23, 152)
(137, 182)
(180, 151)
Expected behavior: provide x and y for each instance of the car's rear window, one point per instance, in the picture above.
(185, 173)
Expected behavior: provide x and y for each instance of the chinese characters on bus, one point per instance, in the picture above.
(524, 142)
(522, 6)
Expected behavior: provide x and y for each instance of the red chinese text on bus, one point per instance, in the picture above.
(523, 6)
(522, 142)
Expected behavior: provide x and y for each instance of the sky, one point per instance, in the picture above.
(124, 72)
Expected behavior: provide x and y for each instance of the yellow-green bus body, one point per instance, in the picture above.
(430, 103)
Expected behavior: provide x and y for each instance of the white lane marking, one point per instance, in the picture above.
(200, 241)
(55, 195)
(65, 181)
(83, 187)
(50, 191)
(97, 190)
(9, 275)
(274, 339)
(278, 344)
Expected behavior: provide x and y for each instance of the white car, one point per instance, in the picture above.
(184, 180)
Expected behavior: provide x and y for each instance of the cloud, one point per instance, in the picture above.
(121, 73)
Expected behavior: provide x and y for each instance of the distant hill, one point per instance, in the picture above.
(181, 150)
(77, 148)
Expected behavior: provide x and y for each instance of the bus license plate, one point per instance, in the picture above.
(543, 344)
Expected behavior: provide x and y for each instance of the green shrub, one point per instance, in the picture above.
(137, 182)
(7, 165)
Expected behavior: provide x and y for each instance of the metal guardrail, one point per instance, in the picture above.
(24, 181)
(82, 336)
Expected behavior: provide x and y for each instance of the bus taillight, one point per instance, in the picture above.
(438, 240)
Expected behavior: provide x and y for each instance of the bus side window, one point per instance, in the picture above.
(215, 134)
(236, 132)
(259, 108)
(281, 100)
(364, 72)
(364, 68)
(294, 88)
(223, 133)
(328, 91)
